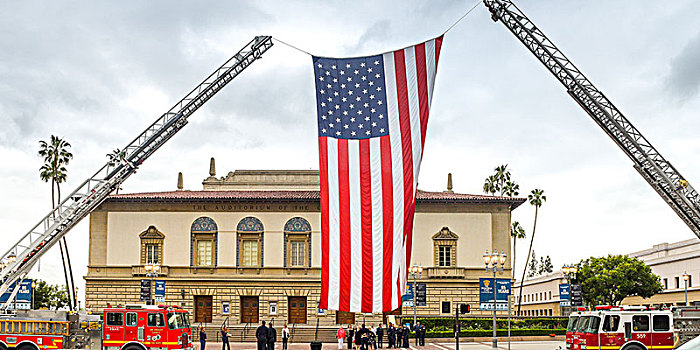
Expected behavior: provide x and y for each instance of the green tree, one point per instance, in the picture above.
(546, 265)
(490, 185)
(517, 232)
(56, 156)
(608, 280)
(532, 268)
(502, 176)
(117, 156)
(50, 296)
(536, 198)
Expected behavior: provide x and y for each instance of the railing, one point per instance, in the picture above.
(294, 328)
(244, 332)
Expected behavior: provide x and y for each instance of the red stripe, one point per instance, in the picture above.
(323, 167)
(388, 220)
(422, 91)
(345, 239)
(438, 45)
(366, 205)
(407, 152)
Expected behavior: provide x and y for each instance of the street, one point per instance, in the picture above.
(520, 345)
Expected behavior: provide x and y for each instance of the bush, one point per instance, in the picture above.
(447, 323)
(499, 332)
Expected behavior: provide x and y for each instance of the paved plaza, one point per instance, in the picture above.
(519, 345)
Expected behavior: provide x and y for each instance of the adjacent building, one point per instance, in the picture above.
(677, 264)
(247, 247)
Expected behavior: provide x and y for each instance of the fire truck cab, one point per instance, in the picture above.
(140, 327)
(623, 328)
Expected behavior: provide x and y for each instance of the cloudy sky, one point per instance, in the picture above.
(99, 72)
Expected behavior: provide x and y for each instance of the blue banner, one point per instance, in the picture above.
(24, 295)
(160, 291)
(564, 292)
(486, 286)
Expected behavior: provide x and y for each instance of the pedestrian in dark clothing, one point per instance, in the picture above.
(351, 337)
(224, 339)
(261, 336)
(391, 332)
(364, 337)
(422, 335)
(271, 337)
(405, 337)
(202, 339)
(380, 336)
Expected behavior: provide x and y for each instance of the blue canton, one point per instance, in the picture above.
(351, 97)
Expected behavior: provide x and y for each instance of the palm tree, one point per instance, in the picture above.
(490, 185)
(536, 198)
(117, 156)
(502, 177)
(56, 156)
(511, 189)
(517, 232)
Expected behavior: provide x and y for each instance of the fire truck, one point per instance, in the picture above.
(631, 328)
(134, 327)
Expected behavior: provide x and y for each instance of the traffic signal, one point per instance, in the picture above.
(464, 308)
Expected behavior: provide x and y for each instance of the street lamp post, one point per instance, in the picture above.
(570, 274)
(496, 261)
(152, 271)
(686, 278)
(415, 272)
(33, 291)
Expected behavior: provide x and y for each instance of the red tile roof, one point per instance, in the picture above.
(234, 195)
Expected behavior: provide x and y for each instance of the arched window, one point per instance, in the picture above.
(445, 248)
(250, 243)
(151, 246)
(297, 242)
(203, 247)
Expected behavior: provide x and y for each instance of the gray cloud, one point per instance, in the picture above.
(684, 78)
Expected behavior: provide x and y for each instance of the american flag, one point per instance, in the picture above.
(372, 119)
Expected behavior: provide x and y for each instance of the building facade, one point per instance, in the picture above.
(676, 264)
(247, 248)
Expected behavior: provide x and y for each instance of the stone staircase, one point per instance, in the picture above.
(246, 333)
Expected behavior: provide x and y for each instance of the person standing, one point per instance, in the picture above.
(224, 338)
(416, 332)
(380, 336)
(285, 337)
(350, 335)
(202, 339)
(422, 335)
(271, 337)
(406, 331)
(341, 337)
(391, 332)
(261, 336)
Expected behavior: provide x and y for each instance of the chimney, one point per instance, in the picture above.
(180, 183)
(449, 183)
(212, 167)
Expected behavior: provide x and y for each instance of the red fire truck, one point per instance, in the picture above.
(630, 328)
(134, 327)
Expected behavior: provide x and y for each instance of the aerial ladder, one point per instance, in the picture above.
(653, 167)
(92, 192)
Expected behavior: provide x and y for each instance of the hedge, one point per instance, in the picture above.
(447, 323)
(499, 332)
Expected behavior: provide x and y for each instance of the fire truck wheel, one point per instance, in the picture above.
(632, 347)
(26, 347)
(133, 347)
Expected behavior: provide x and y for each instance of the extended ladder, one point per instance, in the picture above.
(25, 253)
(656, 170)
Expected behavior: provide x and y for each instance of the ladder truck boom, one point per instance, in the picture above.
(653, 167)
(92, 192)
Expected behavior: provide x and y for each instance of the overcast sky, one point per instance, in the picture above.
(98, 72)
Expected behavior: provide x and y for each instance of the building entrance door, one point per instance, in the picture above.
(342, 317)
(297, 310)
(249, 310)
(396, 312)
(202, 308)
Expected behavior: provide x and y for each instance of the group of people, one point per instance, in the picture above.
(265, 335)
(372, 338)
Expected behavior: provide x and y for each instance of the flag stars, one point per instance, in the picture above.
(330, 112)
(342, 72)
(369, 70)
(357, 72)
(319, 65)
(379, 102)
(347, 65)
(337, 120)
(381, 129)
(363, 78)
(377, 75)
(353, 133)
(352, 119)
(375, 63)
(346, 125)
(366, 132)
(331, 125)
(333, 66)
(361, 65)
